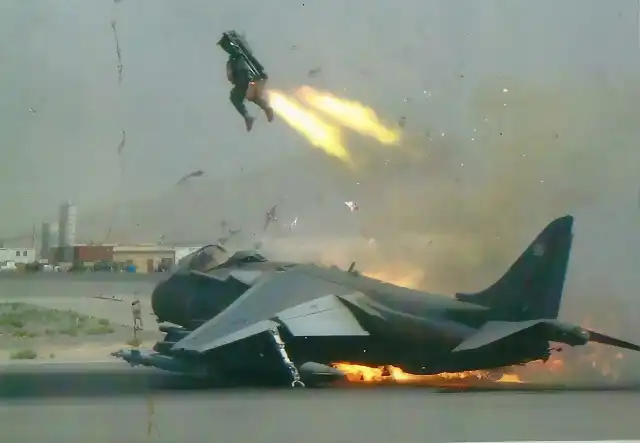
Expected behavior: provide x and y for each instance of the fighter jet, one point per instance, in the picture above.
(246, 318)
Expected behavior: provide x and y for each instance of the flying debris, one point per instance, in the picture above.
(122, 142)
(293, 224)
(32, 111)
(190, 175)
(118, 52)
(314, 72)
(246, 318)
(269, 217)
(353, 206)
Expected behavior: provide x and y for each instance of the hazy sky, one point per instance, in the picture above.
(59, 59)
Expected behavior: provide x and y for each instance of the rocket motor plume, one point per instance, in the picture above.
(327, 135)
(320, 134)
(350, 114)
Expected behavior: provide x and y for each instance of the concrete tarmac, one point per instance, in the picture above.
(109, 402)
(64, 284)
(79, 292)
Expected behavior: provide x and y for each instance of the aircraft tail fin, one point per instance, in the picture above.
(532, 287)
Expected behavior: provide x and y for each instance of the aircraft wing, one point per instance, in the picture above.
(495, 331)
(304, 303)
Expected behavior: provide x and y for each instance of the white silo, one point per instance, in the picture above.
(67, 226)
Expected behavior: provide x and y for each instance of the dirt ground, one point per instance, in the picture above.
(70, 329)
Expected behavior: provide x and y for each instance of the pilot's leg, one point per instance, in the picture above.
(264, 105)
(237, 97)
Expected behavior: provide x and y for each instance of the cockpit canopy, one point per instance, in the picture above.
(249, 256)
(213, 256)
(203, 259)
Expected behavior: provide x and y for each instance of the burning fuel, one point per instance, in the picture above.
(365, 374)
(562, 368)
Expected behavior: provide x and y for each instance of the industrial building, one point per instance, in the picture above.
(59, 246)
(17, 255)
(145, 258)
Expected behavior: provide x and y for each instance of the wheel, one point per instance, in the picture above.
(298, 384)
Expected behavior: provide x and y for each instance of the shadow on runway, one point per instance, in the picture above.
(37, 384)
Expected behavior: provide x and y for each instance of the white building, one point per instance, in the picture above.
(17, 255)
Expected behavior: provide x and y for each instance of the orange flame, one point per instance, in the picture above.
(366, 374)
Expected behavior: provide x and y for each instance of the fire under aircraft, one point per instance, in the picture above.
(249, 318)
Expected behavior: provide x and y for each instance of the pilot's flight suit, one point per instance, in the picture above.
(238, 74)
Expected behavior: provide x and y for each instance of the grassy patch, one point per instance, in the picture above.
(25, 354)
(22, 320)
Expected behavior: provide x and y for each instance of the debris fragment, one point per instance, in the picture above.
(33, 111)
(118, 52)
(291, 225)
(353, 206)
(121, 149)
(122, 142)
(270, 216)
(110, 298)
(314, 72)
(402, 121)
(193, 174)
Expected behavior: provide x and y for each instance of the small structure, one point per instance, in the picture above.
(144, 258)
(17, 255)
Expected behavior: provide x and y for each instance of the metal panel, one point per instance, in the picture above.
(263, 301)
(494, 331)
(324, 316)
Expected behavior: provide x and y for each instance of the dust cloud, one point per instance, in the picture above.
(451, 213)
(539, 151)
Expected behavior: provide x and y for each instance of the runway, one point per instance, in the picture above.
(62, 284)
(57, 403)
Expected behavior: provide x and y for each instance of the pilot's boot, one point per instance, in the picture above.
(248, 121)
(264, 105)
(269, 113)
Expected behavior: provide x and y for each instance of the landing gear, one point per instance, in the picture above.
(295, 375)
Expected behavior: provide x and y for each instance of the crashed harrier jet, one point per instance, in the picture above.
(250, 318)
